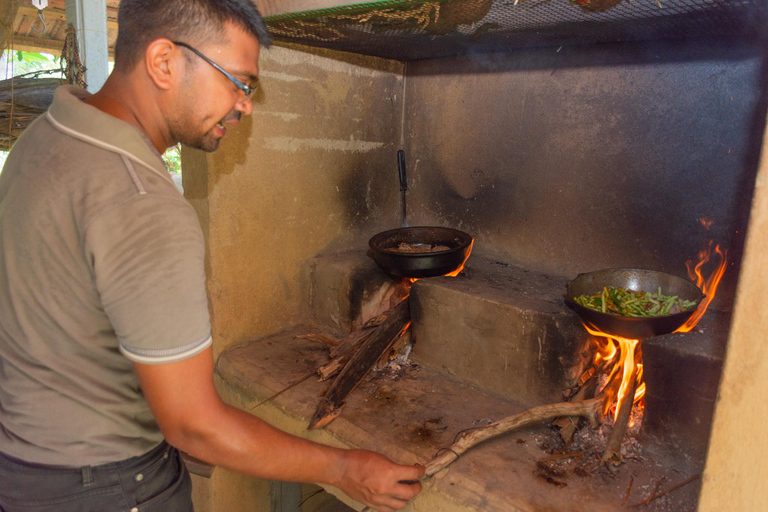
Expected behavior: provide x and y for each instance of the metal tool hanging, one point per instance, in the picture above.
(40, 4)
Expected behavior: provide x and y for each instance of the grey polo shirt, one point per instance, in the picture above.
(101, 264)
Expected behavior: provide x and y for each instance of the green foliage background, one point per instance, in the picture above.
(19, 63)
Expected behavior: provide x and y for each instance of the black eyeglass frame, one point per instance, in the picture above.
(248, 90)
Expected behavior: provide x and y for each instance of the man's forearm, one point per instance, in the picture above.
(241, 442)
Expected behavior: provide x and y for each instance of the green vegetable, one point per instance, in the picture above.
(619, 301)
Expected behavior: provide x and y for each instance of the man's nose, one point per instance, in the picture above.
(245, 106)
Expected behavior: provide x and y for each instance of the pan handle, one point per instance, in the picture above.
(401, 169)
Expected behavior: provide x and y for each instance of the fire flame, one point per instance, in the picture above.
(708, 286)
(625, 355)
(628, 352)
(455, 272)
(458, 270)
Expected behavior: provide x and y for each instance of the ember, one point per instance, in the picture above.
(621, 358)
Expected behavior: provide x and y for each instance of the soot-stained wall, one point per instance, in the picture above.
(300, 172)
(574, 159)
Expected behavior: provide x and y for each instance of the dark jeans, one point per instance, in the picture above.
(155, 482)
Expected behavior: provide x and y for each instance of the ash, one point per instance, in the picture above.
(591, 440)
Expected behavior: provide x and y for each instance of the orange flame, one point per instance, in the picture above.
(628, 352)
(455, 272)
(458, 270)
(707, 223)
(708, 286)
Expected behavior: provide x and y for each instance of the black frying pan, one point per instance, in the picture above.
(426, 264)
(634, 279)
(429, 264)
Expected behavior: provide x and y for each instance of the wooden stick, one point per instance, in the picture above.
(589, 409)
(654, 496)
(629, 489)
(359, 365)
(568, 425)
(289, 386)
(559, 456)
(612, 451)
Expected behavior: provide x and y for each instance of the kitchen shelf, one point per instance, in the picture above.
(409, 30)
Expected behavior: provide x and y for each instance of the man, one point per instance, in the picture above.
(104, 329)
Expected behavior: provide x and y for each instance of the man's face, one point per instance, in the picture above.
(209, 102)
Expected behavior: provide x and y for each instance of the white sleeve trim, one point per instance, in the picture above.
(162, 356)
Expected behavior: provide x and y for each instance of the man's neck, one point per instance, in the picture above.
(127, 105)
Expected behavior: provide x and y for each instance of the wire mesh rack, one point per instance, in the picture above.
(417, 29)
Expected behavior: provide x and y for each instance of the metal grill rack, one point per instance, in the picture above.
(418, 29)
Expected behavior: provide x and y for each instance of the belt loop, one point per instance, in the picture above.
(87, 476)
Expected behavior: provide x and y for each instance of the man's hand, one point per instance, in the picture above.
(376, 481)
(194, 419)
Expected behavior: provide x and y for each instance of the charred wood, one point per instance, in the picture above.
(612, 451)
(360, 364)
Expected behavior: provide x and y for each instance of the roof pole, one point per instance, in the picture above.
(89, 18)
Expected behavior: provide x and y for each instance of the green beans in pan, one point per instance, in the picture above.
(619, 301)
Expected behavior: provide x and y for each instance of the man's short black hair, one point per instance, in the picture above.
(197, 22)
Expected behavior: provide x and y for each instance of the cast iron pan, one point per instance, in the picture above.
(634, 279)
(429, 264)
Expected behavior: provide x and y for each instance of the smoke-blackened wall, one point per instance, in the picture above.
(573, 159)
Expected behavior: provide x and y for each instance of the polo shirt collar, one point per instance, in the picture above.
(100, 128)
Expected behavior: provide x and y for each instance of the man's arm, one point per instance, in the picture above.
(194, 419)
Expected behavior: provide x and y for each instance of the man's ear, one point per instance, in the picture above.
(162, 61)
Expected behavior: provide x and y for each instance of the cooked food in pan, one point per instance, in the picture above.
(619, 301)
(417, 248)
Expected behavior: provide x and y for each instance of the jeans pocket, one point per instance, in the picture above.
(165, 487)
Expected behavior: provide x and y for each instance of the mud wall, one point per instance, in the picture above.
(299, 173)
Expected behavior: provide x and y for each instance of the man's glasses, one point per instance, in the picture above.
(248, 90)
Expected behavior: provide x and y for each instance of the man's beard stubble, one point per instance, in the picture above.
(206, 141)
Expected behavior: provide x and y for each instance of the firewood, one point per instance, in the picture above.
(360, 364)
(629, 489)
(612, 451)
(353, 340)
(654, 496)
(568, 425)
(334, 366)
(589, 409)
(392, 353)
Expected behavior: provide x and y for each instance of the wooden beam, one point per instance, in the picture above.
(8, 10)
(37, 44)
(56, 14)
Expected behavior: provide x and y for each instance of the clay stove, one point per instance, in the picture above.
(558, 160)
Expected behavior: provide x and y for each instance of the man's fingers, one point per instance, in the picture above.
(407, 491)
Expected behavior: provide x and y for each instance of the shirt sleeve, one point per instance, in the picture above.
(147, 256)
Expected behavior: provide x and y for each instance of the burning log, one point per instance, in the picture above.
(360, 364)
(612, 451)
(567, 425)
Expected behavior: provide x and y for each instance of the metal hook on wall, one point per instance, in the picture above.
(42, 20)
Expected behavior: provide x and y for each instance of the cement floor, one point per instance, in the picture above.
(410, 414)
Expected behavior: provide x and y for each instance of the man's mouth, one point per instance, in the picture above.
(231, 120)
